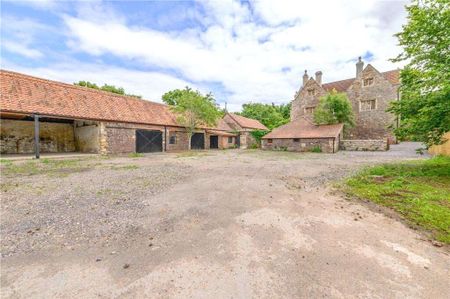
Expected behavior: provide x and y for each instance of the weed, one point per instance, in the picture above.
(316, 149)
(136, 155)
(418, 190)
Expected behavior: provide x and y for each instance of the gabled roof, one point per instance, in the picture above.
(248, 123)
(304, 128)
(21, 93)
(342, 85)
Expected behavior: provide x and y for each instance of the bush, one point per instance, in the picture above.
(258, 134)
(253, 146)
(316, 149)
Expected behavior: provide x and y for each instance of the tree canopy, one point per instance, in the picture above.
(106, 87)
(270, 115)
(193, 109)
(334, 108)
(424, 105)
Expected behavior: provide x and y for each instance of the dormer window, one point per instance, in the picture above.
(309, 110)
(311, 92)
(367, 105)
(368, 81)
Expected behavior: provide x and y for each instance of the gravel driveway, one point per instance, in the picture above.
(215, 224)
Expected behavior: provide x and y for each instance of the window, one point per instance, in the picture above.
(368, 81)
(367, 105)
(309, 110)
(311, 91)
(296, 139)
(173, 139)
(230, 139)
(269, 141)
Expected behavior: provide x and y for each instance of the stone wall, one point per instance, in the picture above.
(181, 142)
(302, 145)
(118, 138)
(364, 145)
(371, 124)
(17, 137)
(87, 134)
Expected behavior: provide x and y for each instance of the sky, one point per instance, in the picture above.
(241, 51)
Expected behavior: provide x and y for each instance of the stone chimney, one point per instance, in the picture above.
(359, 67)
(319, 77)
(305, 77)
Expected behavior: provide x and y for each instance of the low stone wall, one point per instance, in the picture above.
(299, 145)
(364, 145)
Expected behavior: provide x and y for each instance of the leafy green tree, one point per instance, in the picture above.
(106, 87)
(270, 115)
(334, 108)
(193, 109)
(424, 105)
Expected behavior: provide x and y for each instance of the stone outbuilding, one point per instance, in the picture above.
(243, 126)
(302, 135)
(39, 115)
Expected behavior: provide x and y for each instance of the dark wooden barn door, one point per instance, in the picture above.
(198, 141)
(148, 141)
(214, 142)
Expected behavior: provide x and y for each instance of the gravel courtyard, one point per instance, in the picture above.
(212, 224)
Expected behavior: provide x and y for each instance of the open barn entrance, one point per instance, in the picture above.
(213, 141)
(35, 134)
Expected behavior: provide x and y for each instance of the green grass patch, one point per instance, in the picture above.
(192, 153)
(418, 190)
(52, 167)
(136, 155)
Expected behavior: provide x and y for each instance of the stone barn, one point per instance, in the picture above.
(53, 117)
(302, 135)
(243, 126)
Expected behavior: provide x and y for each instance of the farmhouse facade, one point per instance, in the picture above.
(67, 118)
(370, 93)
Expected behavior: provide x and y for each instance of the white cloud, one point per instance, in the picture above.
(256, 51)
(151, 85)
(20, 49)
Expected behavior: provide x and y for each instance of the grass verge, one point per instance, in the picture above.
(417, 190)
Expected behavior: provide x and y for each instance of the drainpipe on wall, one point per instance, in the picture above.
(334, 140)
(165, 139)
(36, 136)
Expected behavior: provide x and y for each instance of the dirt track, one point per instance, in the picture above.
(223, 224)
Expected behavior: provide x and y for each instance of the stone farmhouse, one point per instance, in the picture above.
(67, 118)
(370, 93)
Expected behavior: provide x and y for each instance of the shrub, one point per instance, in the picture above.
(316, 149)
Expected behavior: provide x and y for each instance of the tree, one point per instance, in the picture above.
(106, 87)
(334, 108)
(193, 109)
(424, 105)
(270, 115)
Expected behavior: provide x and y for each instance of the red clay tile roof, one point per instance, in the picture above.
(221, 133)
(223, 126)
(26, 94)
(303, 128)
(342, 85)
(249, 123)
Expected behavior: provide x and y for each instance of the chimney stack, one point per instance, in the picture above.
(359, 67)
(319, 77)
(305, 78)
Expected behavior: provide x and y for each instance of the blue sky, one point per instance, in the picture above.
(241, 51)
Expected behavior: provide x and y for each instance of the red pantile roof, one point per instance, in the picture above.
(223, 126)
(342, 85)
(249, 123)
(221, 133)
(303, 128)
(21, 93)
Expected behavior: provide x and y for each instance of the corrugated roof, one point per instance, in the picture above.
(249, 123)
(26, 94)
(303, 128)
(342, 85)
